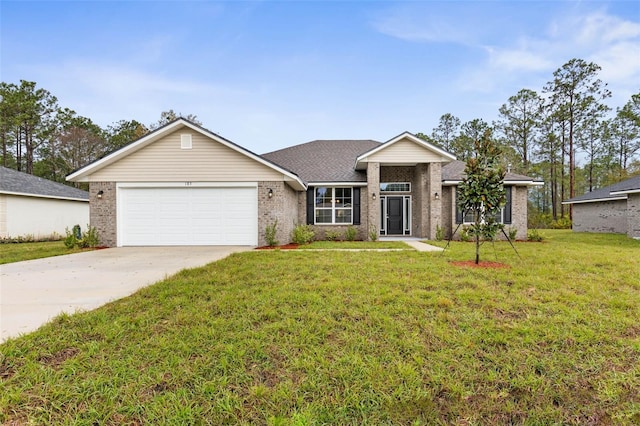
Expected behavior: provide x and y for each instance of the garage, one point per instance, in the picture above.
(187, 215)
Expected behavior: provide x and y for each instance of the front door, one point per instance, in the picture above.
(395, 215)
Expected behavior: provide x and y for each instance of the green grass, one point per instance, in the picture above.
(17, 252)
(305, 338)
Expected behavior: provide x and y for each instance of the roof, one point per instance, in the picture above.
(19, 183)
(617, 191)
(83, 173)
(454, 173)
(324, 160)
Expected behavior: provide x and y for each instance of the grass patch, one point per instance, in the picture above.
(351, 338)
(332, 245)
(18, 252)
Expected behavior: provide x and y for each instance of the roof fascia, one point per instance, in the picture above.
(595, 200)
(337, 183)
(413, 138)
(506, 182)
(626, 191)
(53, 197)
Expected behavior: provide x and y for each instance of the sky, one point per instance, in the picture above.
(271, 74)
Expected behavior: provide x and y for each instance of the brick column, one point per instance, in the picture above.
(434, 213)
(373, 206)
(103, 212)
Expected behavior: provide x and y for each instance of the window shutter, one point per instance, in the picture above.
(458, 211)
(310, 204)
(356, 206)
(507, 207)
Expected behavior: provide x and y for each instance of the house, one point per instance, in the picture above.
(39, 208)
(615, 209)
(184, 185)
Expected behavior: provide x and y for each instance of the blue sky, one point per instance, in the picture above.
(267, 74)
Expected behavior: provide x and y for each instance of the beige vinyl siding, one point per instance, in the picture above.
(165, 161)
(405, 151)
(3, 216)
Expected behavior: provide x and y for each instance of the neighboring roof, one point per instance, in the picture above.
(324, 160)
(617, 191)
(83, 173)
(454, 173)
(19, 183)
(446, 156)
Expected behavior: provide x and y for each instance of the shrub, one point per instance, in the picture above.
(439, 233)
(70, 240)
(88, 239)
(464, 234)
(373, 233)
(332, 235)
(350, 234)
(302, 234)
(512, 232)
(270, 234)
(534, 235)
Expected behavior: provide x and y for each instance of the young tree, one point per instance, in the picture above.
(482, 192)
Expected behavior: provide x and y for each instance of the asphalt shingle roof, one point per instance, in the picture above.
(324, 160)
(604, 193)
(23, 183)
(454, 171)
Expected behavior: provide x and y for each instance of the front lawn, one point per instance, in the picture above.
(275, 337)
(17, 252)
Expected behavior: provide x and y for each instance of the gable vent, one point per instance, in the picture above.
(185, 141)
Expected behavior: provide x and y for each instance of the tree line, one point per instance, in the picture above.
(41, 138)
(566, 135)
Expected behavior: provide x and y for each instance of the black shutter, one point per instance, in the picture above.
(507, 207)
(310, 204)
(458, 211)
(356, 206)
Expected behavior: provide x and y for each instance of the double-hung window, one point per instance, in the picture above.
(502, 216)
(333, 205)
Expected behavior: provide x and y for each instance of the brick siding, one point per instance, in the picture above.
(102, 213)
(603, 216)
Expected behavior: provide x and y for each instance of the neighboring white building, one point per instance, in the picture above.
(37, 207)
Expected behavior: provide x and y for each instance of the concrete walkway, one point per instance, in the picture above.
(35, 291)
(420, 246)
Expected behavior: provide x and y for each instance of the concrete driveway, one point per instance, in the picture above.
(35, 291)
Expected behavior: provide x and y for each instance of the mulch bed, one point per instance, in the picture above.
(291, 246)
(482, 264)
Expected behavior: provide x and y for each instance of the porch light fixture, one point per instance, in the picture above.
(436, 196)
(270, 193)
(373, 195)
(100, 194)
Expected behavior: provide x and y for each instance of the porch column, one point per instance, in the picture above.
(373, 205)
(434, 186)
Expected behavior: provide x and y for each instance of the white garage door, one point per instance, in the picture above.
(188, 216)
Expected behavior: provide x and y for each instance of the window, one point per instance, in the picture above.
(333, 205)
(395, 187)
(503, 216)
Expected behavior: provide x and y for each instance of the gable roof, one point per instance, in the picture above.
(83, 173)
(617, 191)
(362, 159)
(324, 160)
(453, 173)
(18, 183)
